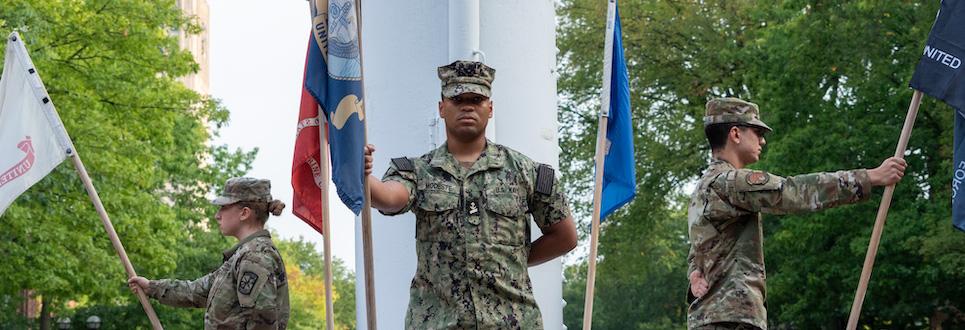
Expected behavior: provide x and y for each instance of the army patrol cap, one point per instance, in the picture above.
(466, 77)
(733, 110)
(244, 190)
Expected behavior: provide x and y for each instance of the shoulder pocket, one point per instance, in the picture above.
(506, 220)
(252, 279)
(508, 205)
(437, 201)
(436, 215)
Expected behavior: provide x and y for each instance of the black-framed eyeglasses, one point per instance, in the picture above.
(760, 131)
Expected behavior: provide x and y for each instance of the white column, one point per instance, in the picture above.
(463, 29)
(519, 39)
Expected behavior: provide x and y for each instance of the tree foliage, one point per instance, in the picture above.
(306, 279)
(831, 78)
(111, 69)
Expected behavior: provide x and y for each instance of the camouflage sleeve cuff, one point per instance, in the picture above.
(153, 288)
(691, 262)
(862, 184)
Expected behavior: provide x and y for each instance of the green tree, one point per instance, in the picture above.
(111, 68)
(307, 280)
(831, 78)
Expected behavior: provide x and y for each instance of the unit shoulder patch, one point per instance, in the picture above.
(247, 282)
(757, 178)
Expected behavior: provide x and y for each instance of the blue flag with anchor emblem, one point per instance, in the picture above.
(333, 75)
(619, 167)
(939, 74)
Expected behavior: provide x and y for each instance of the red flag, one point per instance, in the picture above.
(307, 179)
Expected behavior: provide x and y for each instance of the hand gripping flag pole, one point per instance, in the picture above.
(869, 259)
(333, 76)
(22, 91)
(938, 74)
(366, 209)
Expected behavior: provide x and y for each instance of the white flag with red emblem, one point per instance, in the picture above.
(32, 137)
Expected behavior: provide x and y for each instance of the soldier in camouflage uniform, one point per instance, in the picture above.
(726, 261)
(250, 289)
(473, 199)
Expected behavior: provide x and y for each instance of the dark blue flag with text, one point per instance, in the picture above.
(939, 74)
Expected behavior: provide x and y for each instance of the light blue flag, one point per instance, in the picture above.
(619, 167)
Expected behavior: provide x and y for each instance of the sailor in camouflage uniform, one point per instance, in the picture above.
(726, 261)
(250, 289)
(473, 200)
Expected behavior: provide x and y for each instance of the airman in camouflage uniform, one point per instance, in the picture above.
(726, 260)
(472, 219)
(250, 289)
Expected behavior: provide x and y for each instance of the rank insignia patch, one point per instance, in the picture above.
(473, 209)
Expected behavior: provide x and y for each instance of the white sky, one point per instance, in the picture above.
(257, 54)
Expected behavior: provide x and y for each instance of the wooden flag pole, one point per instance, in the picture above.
(367, 255)
(869, 259)
(84, 177)
(367, 203)
(595, 231)
(325, 165)
(600, 157)
(79, 166)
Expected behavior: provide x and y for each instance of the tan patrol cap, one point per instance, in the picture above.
(466, 77)
(733, 110)
(244, 190)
